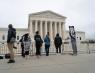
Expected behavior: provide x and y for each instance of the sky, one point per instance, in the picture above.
(79, 13)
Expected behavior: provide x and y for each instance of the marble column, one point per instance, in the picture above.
(36, 25)
(60, 32)
(63, 29)
(51, 31)
(41, 27)
(55, 28)
(45, 28)
(31, 29)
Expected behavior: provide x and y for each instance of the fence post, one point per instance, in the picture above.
(62, 48)
(88, 50)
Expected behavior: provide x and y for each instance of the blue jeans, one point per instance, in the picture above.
(47, 49)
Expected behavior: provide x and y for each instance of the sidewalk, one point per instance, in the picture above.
(83, 63)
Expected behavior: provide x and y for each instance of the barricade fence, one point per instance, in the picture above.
(65, 48)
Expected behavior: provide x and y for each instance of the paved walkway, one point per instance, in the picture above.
(83, 63)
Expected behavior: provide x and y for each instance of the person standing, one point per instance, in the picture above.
(27, 44)
(73, 39)
(47, 44)
(58, 43)
(38, 43)
(11, 37)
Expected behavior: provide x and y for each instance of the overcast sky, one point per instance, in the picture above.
(80, 13)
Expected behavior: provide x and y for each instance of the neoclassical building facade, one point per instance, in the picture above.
(47, 21)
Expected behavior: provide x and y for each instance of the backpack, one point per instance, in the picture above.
(38, 40)
(1, 57)
(47, 41)
(13, 39)
(14, 32)
(58, 41)
(7, 56)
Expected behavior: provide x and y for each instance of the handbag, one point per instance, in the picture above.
(1, 57)
(7, 56)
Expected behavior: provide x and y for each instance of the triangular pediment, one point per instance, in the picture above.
(47, 14)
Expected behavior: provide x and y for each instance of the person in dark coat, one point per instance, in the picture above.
(10, 42)
(47, 44)
(58, 43)
(38, 43)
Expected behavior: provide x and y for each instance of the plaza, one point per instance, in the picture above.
(83, 63)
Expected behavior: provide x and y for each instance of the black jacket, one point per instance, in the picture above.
(57, 41)
(11, 34)
(40, 42)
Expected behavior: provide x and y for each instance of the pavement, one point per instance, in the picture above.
(82, 63)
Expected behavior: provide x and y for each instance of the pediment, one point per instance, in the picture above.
(47, 14)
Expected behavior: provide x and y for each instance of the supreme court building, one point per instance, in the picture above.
(47, 21)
